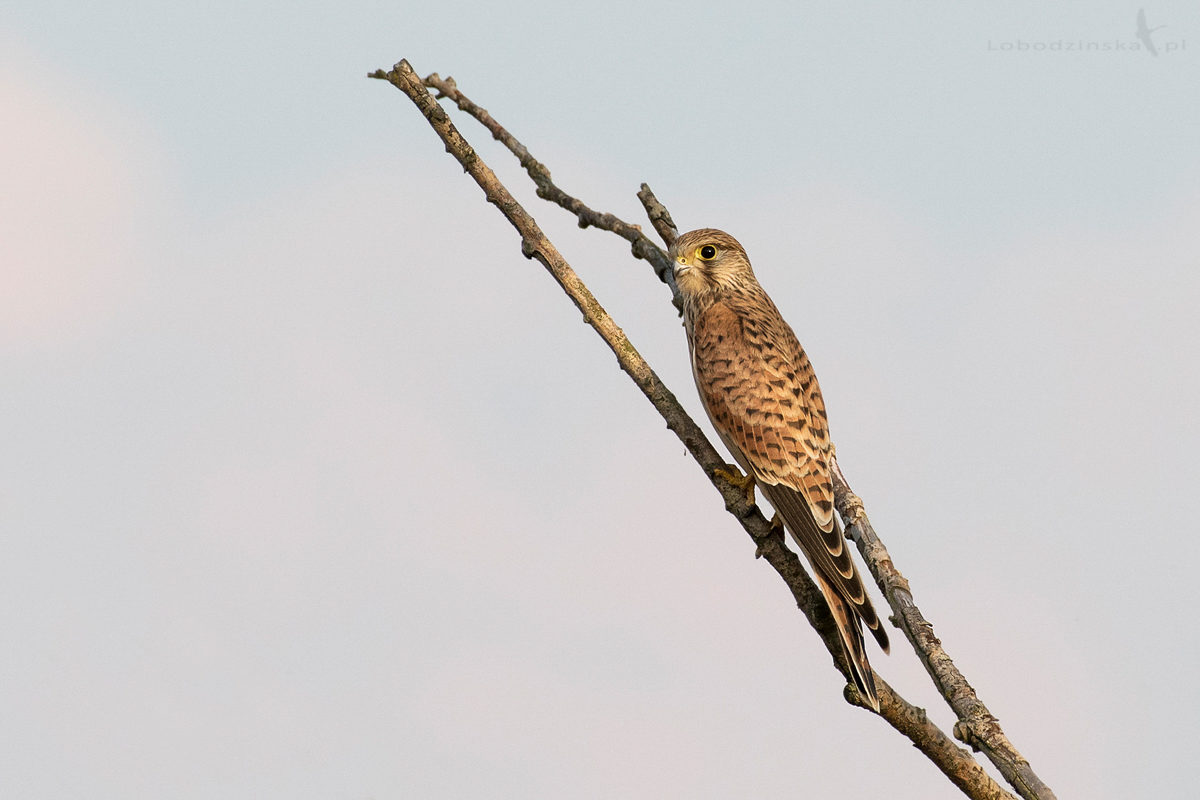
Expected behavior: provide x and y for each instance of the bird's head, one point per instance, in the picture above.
(707, 260)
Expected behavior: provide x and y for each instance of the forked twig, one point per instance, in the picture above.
(643, 247)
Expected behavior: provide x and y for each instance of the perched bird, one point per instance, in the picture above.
(760, 392)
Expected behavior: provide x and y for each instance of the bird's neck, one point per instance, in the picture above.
(696, 303)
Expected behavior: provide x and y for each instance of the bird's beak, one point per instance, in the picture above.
(681, 267)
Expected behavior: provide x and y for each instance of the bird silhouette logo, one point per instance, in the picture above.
(1144, 32)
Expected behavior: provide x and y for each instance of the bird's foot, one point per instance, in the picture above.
(733, 475)
(776, 527)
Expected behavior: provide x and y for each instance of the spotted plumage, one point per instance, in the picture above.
(762, 396)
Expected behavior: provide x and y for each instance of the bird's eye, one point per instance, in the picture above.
(707, 252)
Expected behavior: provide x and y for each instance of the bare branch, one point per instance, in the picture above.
(912, 722)
(968, 775)
(643, 247)
(976, 726)
(660, 218)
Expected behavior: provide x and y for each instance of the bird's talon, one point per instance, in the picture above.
(734, 476)
(776, 527)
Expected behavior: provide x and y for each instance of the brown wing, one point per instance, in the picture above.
(763, 398)
(752, 363)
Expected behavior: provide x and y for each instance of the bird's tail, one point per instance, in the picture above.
(852, 642)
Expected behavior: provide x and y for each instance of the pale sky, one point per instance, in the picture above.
(314, 487)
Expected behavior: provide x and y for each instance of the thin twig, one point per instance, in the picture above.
(643, 247)
(659, 217)
(952, 760)
(976, 725)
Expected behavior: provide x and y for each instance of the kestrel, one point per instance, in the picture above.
(761, 394)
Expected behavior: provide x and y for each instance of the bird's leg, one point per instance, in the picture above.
(735, 476)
